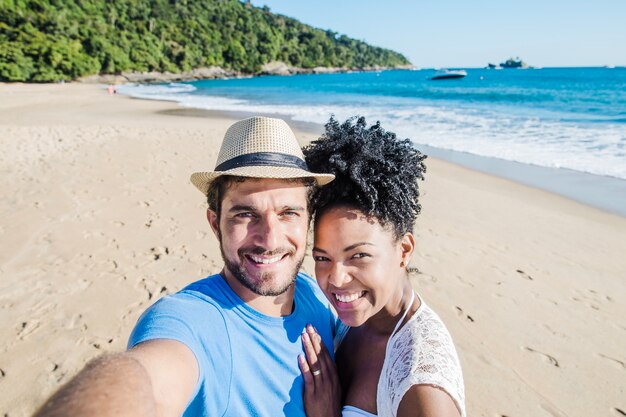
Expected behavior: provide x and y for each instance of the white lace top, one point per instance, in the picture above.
(420, 353)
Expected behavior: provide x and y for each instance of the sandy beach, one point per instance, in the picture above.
(98, 220)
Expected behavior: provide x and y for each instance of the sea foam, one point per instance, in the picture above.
(538, 137)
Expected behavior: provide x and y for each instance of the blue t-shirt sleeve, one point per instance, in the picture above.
(168, 318)
(193, 322)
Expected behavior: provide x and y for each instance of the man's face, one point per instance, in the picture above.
(262, 231)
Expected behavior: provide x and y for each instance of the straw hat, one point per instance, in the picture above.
(259, 147)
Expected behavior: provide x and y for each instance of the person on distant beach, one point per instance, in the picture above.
(226, 345)
(394, 355)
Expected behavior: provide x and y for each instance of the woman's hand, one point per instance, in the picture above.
(322, 392)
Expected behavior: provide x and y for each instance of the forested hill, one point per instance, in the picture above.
(52, 40)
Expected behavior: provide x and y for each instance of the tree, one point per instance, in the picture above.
(50, 40)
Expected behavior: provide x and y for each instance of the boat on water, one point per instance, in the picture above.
(448, 74)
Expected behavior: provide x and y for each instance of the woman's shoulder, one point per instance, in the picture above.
(424, 340)
(422, 352)
(423, 329)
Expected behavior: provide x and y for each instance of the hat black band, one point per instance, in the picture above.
(263, 159)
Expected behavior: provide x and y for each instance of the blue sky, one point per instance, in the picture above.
(471, 33)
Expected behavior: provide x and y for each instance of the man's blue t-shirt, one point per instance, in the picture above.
(248, 361)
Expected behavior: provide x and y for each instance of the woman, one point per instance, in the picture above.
(394, 356)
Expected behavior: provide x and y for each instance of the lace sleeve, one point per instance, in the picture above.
(421, 352)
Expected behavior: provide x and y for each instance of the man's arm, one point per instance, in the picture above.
(155, 378)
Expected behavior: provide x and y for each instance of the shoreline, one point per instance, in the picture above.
(100, 220)
(604, 193)
(600, 192)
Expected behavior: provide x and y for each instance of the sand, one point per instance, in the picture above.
(98, 220)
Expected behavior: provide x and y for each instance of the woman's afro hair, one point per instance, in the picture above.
(375, 172)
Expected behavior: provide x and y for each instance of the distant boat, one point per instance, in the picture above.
(448, 74)
(514, 63)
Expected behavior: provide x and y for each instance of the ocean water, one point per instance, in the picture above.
(556, 118)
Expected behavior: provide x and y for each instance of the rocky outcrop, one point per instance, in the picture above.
(277, 68)
(160, 77)
(281, 68)
(271, 68)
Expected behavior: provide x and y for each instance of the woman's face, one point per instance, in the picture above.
(359, 265)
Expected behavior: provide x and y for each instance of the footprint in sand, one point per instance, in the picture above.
(209, 266)
(113, 264)
(618, 326)
(524, 275)
(76, 322)
(547, 358)
(56, 373)
(464, 281)
(550, 409)
(26, 328)
(599, 297)
(460, 312)
(554, 332)
(152, 217)
(180, 251)
(100, 344)
(591, 298)
(150, 287)
(425, 277)
(158, 252)
(617, 362)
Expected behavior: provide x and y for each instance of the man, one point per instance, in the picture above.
(227, 345)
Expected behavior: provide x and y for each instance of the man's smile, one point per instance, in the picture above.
(265, 260)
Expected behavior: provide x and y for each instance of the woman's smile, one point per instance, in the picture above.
(348, 300)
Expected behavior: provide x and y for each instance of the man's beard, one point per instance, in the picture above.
(263, 286)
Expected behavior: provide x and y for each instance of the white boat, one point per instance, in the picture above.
(448, 74)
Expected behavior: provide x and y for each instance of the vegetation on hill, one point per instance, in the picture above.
(52, 40)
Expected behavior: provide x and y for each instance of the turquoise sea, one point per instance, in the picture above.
(563, 128)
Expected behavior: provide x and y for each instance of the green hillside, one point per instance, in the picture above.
(52, 40)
